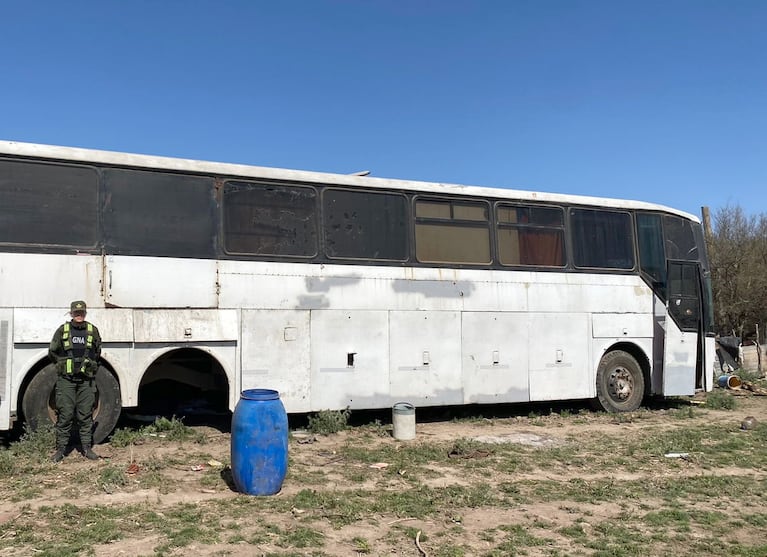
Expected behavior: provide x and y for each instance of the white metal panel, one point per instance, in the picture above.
(494, 353)
(49, 281)
(38, 325)
(622, 325)
(6, 332)
(680, 353)
(275, 354)
(343, 337)
(708, 376)
(426, 357)
(575, 293)
(499, 291)
(559, 357)
(188, 325)
(161, 282)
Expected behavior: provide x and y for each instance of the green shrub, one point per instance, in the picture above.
(329, 421)
(719, 399)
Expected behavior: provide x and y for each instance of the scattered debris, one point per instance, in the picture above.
(197, 468)
(418, 544)
(478, 453)
(753, 388)
(215, 463)
(304, 437)
(379, 465)
(683, 456)
(132, 469)
(748, 423)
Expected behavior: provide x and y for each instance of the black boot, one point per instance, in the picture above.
(58, 456)
(88, 453)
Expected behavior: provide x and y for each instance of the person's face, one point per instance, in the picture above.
(78, 316)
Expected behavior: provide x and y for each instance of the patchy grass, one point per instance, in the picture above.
(606, 488)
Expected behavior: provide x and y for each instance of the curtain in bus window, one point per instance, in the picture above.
(452, 232)
(602, 239)
(680, 239)
(365, 225)
(531, 236)
(154, 213)
(270, 219)
(48, 204)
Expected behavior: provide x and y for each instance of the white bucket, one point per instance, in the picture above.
(403, 419)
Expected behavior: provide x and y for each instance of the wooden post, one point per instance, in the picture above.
(708, 232)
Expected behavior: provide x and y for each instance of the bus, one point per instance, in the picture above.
(339, 291)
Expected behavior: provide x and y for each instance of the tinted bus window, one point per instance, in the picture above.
(452, 232)
(365, 225)
(48, 204)
(602, 239)
(652, 259)
(151, 213)
(680, 240)
(265, 219)
(531, 235)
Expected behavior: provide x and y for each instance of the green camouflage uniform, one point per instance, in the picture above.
(75, 388)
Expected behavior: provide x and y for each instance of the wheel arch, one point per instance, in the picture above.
(639, 355)
(37, 366)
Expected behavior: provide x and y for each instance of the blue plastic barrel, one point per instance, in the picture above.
(259, 442)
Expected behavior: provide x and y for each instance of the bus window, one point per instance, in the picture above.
(680, 240)
(39, 202)
(365, 225)
(452, 232)
(684, 295)
(531, 235)
(154, 213)
(267, 219)
(652, 260)
(602, 239)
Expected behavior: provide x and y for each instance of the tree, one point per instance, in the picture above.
(738, 254)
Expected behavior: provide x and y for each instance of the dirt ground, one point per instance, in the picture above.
(320, 457)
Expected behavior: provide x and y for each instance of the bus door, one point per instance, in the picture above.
(682, 347)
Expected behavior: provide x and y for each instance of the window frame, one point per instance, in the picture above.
(391, 193)
(499, 225)
(487, 225)
(267, 183)
(631, 244)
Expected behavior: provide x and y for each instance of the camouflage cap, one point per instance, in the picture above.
(78, 305)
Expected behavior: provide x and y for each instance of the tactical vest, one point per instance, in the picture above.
(66, 340)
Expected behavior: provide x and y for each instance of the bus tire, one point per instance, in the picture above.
(620, 382)
(39, 402)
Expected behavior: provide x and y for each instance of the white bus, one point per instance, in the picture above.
(339, 291)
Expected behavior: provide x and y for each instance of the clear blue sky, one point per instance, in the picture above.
(662, 101)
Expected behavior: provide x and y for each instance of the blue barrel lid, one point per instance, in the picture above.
(260, 394)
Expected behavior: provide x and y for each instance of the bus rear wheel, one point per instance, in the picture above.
(39, 402)
(620, 382)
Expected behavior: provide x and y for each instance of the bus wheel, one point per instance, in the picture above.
(39, 402)
(620, 382)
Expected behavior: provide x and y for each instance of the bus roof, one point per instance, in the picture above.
(113, 158)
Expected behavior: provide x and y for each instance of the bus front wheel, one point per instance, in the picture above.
(39, 402)
(620, 382)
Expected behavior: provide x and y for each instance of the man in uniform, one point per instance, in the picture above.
(75, 350)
